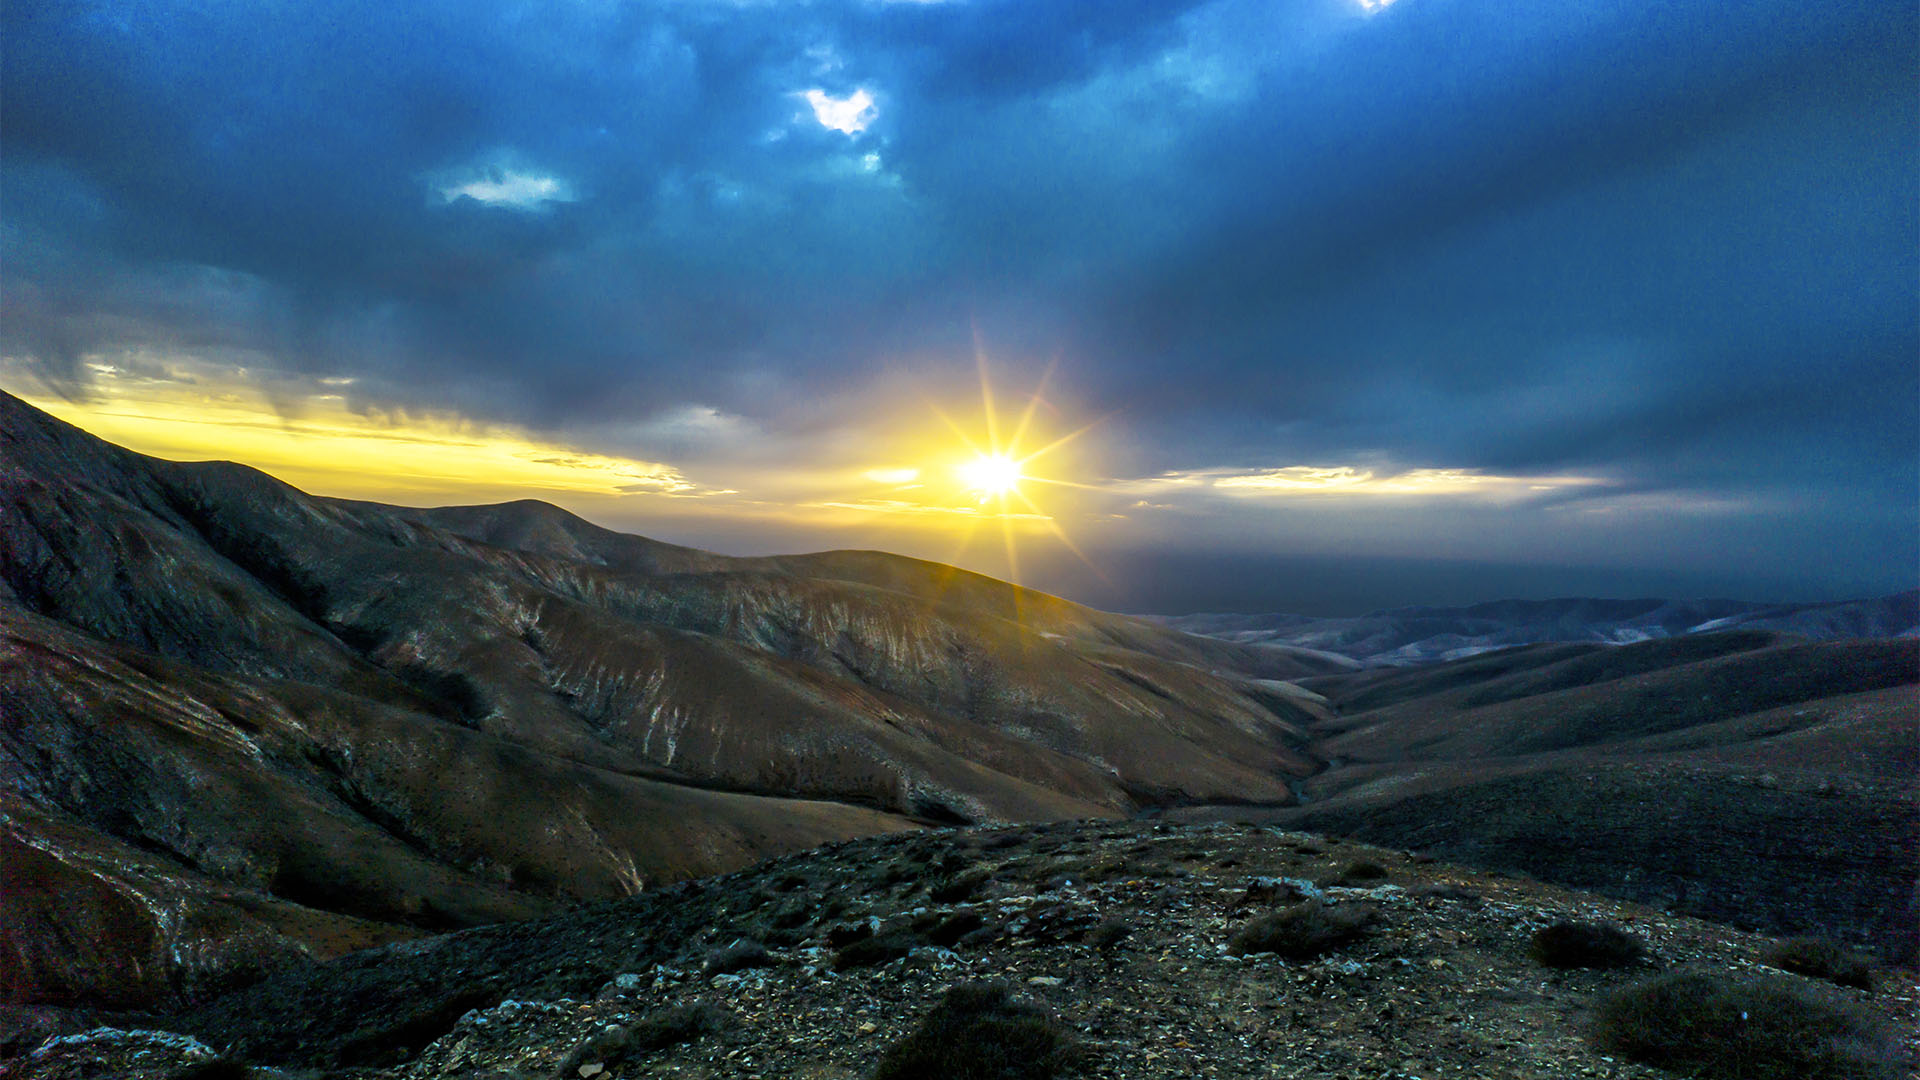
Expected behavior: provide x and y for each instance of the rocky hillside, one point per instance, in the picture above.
(1118, 950)
(245, 726)
(1747, 777)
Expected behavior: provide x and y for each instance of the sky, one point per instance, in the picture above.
(1320, 306)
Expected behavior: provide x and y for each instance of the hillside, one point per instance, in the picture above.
(322, 723)
(1747, 777)
(1130, 949)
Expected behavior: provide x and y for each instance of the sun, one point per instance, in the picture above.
(992, 475)
(995, 467)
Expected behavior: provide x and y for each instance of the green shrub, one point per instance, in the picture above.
(1586, 945)
(1819, 959)
(1304, 931)
(979, 1031)
(1716, 1027)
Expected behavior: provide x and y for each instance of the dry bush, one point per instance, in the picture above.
(739, 956)
(657, 1031)
(1586, 945)
(1108, 933)
(1715, 1027)
(1305, 931)
(978, 1031)
(1817, 958)
(874, 951)
(1363, 872)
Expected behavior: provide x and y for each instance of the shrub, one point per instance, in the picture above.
(1721, 1028)
(839, 937)
(978, 1031)
(963, 886)
(657, 1031)
(1586, 945)
(671, 1027)
(739, 956)
(948, 931)
(1818, 959)
(1447, 892)
(1304, 931)
(1361, 873)
(1108, 933)
(1268, 891)
(874, 951)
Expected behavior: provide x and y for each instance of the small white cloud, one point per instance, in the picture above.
(850, 114)
(510, 188)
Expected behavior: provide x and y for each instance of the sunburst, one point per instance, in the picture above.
(997, 469)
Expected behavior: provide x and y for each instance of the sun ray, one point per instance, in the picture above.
(1062, 483)
(1067, 438)
(1060, 534)
(1033, 403)
(957, 429)
(986, 389)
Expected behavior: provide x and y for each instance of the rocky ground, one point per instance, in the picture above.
(811, 966)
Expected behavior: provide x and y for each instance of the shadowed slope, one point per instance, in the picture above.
(1741, 776)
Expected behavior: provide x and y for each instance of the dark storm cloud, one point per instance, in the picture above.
(1673, 244)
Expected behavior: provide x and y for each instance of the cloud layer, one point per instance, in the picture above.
(1668, 250)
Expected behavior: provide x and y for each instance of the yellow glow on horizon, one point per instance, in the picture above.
(318, 444)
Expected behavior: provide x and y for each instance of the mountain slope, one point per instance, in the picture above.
(430, 718)
(1746, 777)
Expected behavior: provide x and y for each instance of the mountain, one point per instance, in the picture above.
(317, 778)
(242, 726)
(1748, 777)
(1418, 635)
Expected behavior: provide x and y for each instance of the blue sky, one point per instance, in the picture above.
(1571, 296)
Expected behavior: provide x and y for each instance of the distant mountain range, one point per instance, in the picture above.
(1421, 635)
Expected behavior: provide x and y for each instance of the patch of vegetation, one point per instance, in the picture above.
(948, 930)
(1108, 933)
(1305, 931)
(874, 951)
(654, 1032)
(739, 956)
(979, 1031)
(960, 887)
(1454, 893)
(839, 937)
(1268, 891)
(1586, 945)
(1818, 958)
(1361, 873)
(1720, 1028)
